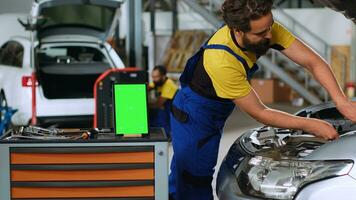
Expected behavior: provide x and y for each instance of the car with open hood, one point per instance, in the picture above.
(272, 163)
(50, 76)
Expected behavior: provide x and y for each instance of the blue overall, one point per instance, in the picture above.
(197, 123)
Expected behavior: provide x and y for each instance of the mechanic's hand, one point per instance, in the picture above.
(321, 129)
(348, 109)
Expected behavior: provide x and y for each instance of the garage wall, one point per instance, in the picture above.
(15, 6)
(329, 25)
(13, 27)
(10, 11)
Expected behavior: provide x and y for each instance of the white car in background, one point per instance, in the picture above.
(70, 52)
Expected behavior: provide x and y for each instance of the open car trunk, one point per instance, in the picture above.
(70, 72)
(96, 18)
(68, 82)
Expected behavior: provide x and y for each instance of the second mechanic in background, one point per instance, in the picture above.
(164, 90)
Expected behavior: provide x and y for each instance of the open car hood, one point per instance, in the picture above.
(296, 143)
(346, 7)
(96, 18)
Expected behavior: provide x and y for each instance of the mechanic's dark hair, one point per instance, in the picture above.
(162, 70)
(237, 14)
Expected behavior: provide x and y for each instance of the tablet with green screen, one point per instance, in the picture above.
(130, 109)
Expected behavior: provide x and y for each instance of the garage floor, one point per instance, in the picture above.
(237, 124)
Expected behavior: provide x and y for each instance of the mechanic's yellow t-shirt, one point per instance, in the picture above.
(167, 90)
(219, 75)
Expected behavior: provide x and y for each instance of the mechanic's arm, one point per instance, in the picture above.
(253, 106)
(306, 57)
(159, 104)
(150, 87)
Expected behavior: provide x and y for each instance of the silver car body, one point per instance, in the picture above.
(236, 178)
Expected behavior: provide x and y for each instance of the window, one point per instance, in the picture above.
(91, 16)
(12, 54)
(70, 55)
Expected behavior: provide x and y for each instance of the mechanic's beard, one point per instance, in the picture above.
(159, 83)
(259, 48)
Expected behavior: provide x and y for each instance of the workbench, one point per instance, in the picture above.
(108, 167)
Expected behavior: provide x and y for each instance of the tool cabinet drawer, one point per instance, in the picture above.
(126, 172)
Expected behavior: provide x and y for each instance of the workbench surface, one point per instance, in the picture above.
(156, 135)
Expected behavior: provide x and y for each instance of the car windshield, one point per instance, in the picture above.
(91, 16)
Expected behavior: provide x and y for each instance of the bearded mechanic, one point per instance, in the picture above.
(216, 79)
(164, 90)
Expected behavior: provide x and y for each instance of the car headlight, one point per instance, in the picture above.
(281, 179)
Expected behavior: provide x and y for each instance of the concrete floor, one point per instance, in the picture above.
(237, 124)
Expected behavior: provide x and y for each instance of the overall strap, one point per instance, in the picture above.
(249, 71)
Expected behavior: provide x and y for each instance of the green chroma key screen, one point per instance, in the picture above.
(130, 104)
